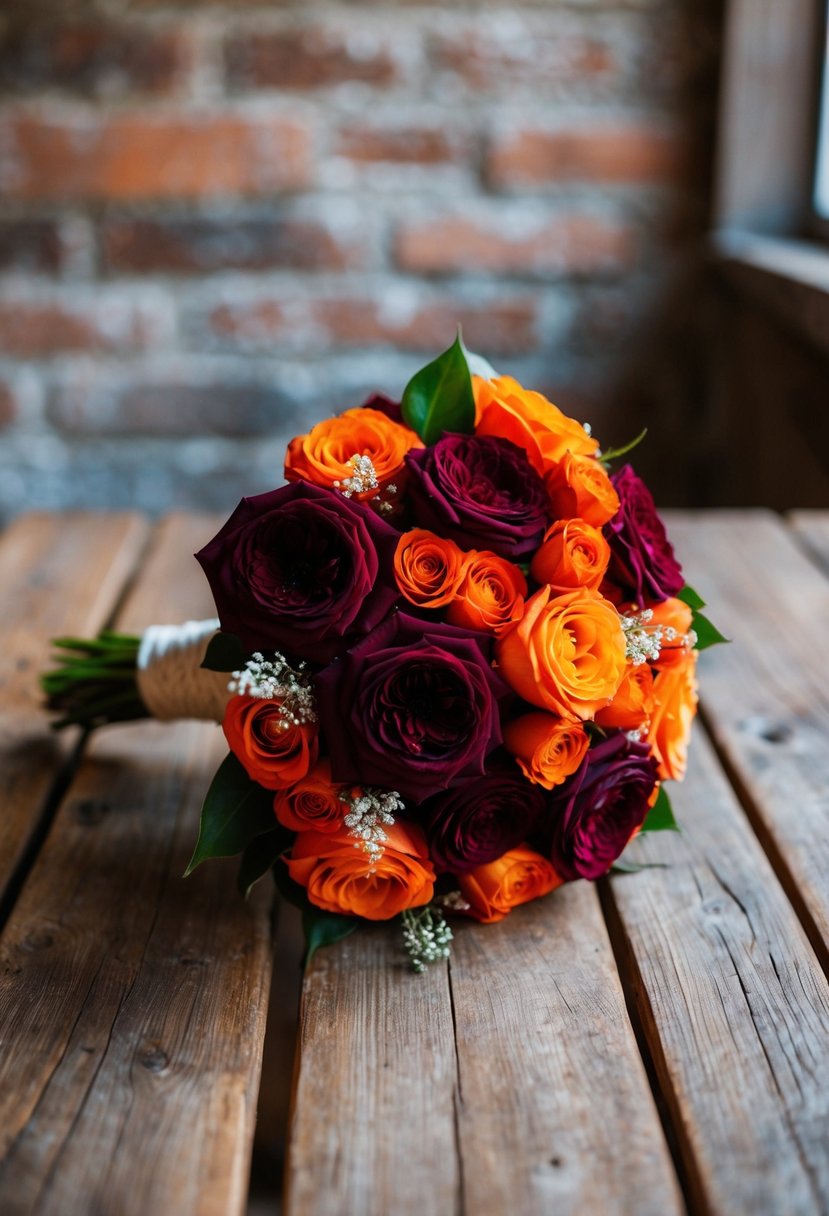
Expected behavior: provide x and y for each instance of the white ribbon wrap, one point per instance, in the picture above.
(171, 680)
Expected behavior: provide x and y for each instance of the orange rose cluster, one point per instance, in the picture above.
(466, 656)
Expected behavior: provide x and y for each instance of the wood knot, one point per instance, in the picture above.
(768, 729)
(154, 1059)
(38, 939)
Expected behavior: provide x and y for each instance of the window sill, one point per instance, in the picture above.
(789, 278)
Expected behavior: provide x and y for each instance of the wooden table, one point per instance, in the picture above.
(654, 1043)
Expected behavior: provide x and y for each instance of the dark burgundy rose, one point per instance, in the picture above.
(595, 812)
(643, 565)
(301, 569)
(414, 707)
(480, 491)
(480, 819)
(384, 405)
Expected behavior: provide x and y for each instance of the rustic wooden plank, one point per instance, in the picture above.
(811, 530)
(733, 1005)
(546, 1084)
(555, 1112)
(58, 574)
(765, 696)
(373, 1124)
(134, 1002)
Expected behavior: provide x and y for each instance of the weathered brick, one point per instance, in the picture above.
(32, 328)
(203, 244)
(308, 57)
(508, 55)
(99, 404)
(635, 153)
(401, 145)
(567, 244)
(503, 326)
(89, 58)
(151, 155)
(30, 244)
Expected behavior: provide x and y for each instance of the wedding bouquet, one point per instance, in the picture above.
(454, 662)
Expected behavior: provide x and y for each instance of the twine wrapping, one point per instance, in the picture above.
(171, 681)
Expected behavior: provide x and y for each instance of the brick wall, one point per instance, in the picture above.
(222, 220)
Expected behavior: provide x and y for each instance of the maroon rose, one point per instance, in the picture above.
(595, 812)
(301, 569)
(384, 405)
(480, 819)
(413, 707)
(643, 565)
(480, 491)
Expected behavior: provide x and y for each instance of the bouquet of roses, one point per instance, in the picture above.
(454, 662)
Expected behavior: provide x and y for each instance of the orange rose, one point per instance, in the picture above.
(572, 554)
(273, 754)
(547, 749)
(675, 618)
(324, 455)
(578, 486)
(633, 704)
(675, 694)
(566, 654)
(340, 878)
(427, 568)
(313, 803)
(491, 594)
(494, 889)
(505, 409)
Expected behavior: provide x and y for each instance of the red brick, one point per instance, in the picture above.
(204, 244)
(32, 329)
(133, 156)
(567, 244)
(542, 62)
(89, 58)
(33, 244)
(502, 327)
(625, 154)
(310, 57)
(400, 145)
(8, 406)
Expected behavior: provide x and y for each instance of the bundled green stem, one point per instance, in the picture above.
(94, 681)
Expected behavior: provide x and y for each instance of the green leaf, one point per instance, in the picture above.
(259, 856)
(615, 453)
(439, 397)
(636, 867)
(235, 811)
(691, 597)
(660, 817)
(323, 929)
(707, 633)
(224, 653)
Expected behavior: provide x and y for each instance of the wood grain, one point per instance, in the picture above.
(555, 1112)
(766, 696)
(733, 1004)
(134, 1002)
(57, 576)
(811, 530)
(373, 1124)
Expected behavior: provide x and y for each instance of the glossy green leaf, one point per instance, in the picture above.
(235, 811)
(260, 856)
(707, 633)
(439, 397)
(660, 817)
(691, 597)
(324, 928)
(224, 653)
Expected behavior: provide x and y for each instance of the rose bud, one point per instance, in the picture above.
(428, 569)
(480, 491)
(301, 569)
(578, 486)
(274, 752)
(313, 803)
(340, 878)
(642, 565)
(494, 889)
(573, 554)
(547, 749)
(490, 595)
(596, 811)
(480, 819)
(414, 707)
